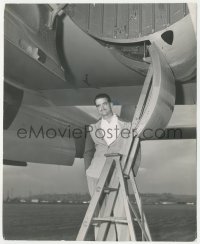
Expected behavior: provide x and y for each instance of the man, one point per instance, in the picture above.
(109, 134)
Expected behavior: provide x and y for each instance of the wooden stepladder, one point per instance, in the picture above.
(112, 188)
(112, 183)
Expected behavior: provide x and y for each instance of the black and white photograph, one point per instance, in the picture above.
(99, 121)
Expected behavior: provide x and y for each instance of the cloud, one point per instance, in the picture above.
(170, 167)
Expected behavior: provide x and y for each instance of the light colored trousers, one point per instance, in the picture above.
(117, 232)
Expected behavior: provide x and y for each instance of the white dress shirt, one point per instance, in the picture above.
(111, 130)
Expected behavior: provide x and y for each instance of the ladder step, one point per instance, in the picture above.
(109, 189)
(126, 176)
(111, 219)
(112, 155)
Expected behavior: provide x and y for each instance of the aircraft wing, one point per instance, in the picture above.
(48, 134)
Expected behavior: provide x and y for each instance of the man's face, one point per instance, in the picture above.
(104, 107)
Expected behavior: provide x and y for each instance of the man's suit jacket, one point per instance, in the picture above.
(96, 147)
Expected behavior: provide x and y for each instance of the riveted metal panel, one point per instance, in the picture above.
(122, 21)
(81, 15)
(133, 20)
(176, 12)
(109, 20)
(160, 16)
(119, 22)
(96, 19)
(147, 10)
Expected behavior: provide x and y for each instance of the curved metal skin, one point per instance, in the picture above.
(12, 101)
(161, 100)
(38, 148)
(131, 25)
(28, 22)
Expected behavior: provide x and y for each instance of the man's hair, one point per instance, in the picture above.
(102, 95)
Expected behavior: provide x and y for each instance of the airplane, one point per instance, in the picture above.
(57, 57)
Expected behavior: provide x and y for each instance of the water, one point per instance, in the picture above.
(62, 222)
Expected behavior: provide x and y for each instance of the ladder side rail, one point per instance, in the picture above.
(142, 215)
(138, 220)
(139, 204)
(110, 200)
(109, 208)
(94, 201)
(129, 172)
(145, 93)
(143, 97)
(137, 116)
(125, 199)
(142, 220)
(132, 156)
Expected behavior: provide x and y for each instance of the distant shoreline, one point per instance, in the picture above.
(147, 199)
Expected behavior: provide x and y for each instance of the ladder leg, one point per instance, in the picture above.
(123, 232)
(94, 201)
(115, 184)
(112, 233)
(139, 204)
(105, 229)
(140, 223)
(125, 200)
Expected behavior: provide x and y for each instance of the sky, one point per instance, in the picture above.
(166, 167)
